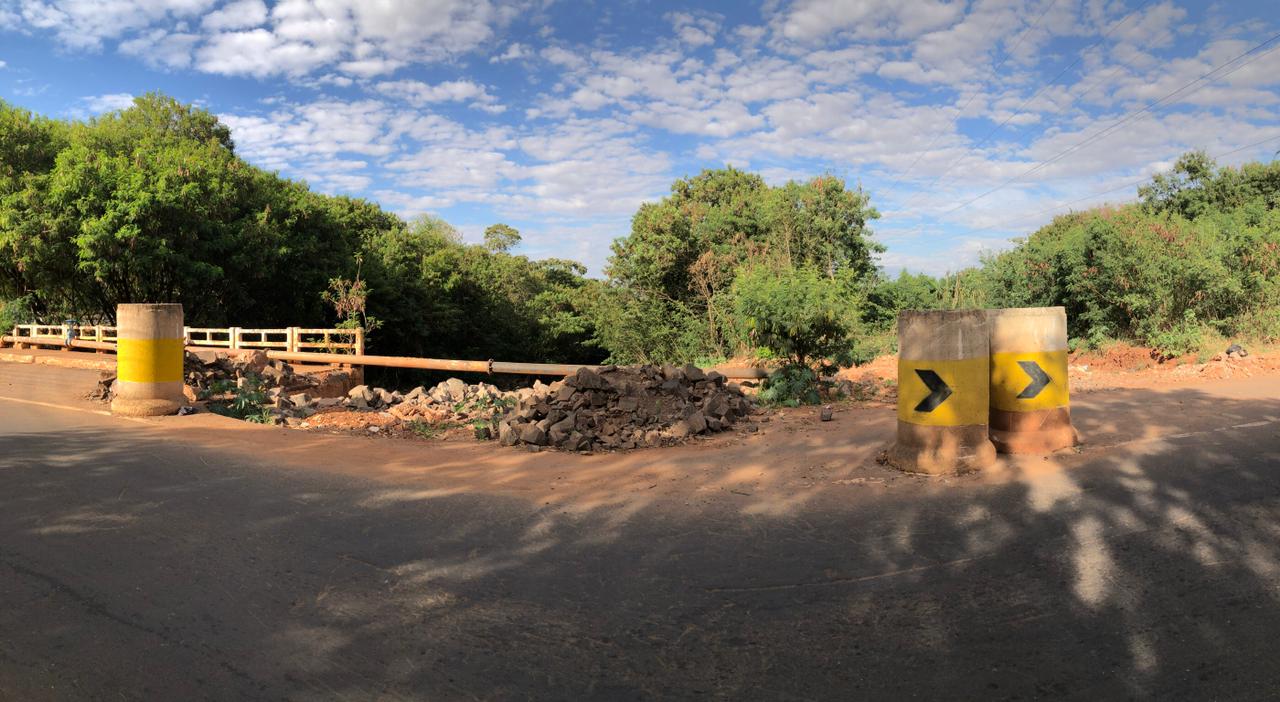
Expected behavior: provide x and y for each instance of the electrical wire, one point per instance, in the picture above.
(1130, 117)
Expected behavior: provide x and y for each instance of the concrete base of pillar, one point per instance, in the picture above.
(941, 450)
(126, 407)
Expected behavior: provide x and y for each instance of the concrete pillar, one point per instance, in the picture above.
(1030, 400)
(943, 392)
(149, 358)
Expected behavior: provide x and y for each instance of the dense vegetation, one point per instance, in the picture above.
(676, 288)
(1197, 259)
(152, 203)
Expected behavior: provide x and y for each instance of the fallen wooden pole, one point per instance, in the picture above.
(407, 362)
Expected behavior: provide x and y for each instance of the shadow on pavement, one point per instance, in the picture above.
(1146, 569)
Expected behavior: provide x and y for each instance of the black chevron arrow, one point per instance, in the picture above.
(1039, 379)
(938, 391)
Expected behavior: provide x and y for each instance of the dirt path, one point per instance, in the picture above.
(793, 459)
(202, 558)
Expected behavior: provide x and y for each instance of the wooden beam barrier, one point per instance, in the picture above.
(407, 362)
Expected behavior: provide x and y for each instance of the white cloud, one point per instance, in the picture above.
(367, 68)
(420, 94)
(85, 25)
(514, 52)
(161, 49)
(97, 104)
(292, 38)
(809, 20)
(694, 31)
(238, 14)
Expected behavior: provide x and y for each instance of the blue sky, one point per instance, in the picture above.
(968, 122)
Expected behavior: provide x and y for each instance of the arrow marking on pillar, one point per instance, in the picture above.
(1039, 379)
(939, 391)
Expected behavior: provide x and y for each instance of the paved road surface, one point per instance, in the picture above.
(133, 566)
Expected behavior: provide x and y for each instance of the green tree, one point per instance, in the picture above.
(800, 314)
(670, 275)
(501, 238)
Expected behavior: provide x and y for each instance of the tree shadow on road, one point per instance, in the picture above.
(1146, 569)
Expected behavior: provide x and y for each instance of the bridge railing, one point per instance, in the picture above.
(288, 339)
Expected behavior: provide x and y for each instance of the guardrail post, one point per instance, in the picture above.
(359, 341)
(291, 337)
(234, 340)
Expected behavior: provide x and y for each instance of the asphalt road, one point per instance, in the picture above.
(134, 567)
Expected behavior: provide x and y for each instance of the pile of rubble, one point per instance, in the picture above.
(222, 373)
(215, 374)
(624, 408)
(450, 402)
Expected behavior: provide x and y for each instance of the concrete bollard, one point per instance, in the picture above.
(149, 357)
(943, 392)
(1030, 401)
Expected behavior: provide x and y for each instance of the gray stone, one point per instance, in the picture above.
(533, 434)
(507, 434)
(627, 404)
(578, 441)
(717, 406)
(456, 388)
(586, 379)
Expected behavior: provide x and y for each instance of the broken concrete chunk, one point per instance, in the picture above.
(533, 434)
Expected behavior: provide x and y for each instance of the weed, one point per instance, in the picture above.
(249, 402)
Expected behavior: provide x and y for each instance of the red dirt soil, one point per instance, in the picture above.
(1118, 366)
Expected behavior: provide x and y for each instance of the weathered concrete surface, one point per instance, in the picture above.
(139, 564)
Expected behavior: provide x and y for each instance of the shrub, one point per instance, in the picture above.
(248, 403)
(797, 313)
(791, 386)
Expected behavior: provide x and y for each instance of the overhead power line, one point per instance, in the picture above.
(1216, 72)
(1017, 110)
(1108, 191)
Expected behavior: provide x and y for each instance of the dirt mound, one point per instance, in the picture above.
(1118, 357)
(625, 408)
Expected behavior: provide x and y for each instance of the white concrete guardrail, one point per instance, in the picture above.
(276, 344)
(289, 339)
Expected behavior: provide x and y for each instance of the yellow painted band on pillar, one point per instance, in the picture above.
(1009, 378)
(149, 360)
(966, 404)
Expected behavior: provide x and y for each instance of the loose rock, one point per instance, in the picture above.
(623, 408)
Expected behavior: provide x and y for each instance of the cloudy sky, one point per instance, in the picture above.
(969, 122)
